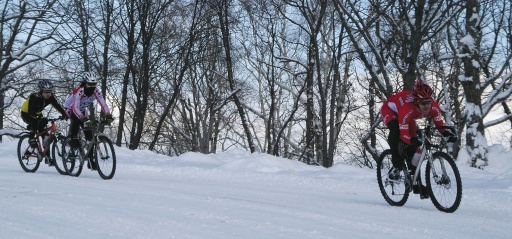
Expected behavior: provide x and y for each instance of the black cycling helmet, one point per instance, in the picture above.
(90, 77)
(45, 85)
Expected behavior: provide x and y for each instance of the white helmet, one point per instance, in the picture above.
(90, 77)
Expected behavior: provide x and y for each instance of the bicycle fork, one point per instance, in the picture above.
(441, 177)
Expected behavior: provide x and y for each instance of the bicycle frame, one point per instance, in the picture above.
(31, 155)
(84, 151)
(426, 152)
(44, 149)
(98, 152)
(51, 131)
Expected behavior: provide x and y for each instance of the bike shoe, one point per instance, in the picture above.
(422, 191)
(424, 195)
(51, 162)
(92, 165)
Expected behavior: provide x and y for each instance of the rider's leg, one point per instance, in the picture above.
(418, 188)
(393, 141)
(74, 126)
(88, 135)
(32, 126)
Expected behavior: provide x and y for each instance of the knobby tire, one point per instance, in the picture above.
(57, 156)
(105, 157)
(28, 156)
(394, 192)
(446, 193)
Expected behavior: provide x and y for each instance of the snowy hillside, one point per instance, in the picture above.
(239, 195)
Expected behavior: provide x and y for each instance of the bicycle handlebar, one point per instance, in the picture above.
(428, 131)
(94, 124)
(55, 119)
(451, 128)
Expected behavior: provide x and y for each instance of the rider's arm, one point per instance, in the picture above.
(435, 114)
(101, 101)
(406, 124)
(75, 107)
(56, 105)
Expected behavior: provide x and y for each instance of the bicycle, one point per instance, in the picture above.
(30, 155)
(100, 147)
(443, 180)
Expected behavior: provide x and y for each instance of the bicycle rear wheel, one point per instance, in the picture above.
(445, 186)
(71, 159)
(393, 191)
(28, 157)
(57, 156)
(105, 157)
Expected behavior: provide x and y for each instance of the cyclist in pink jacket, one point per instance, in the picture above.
(76, 106)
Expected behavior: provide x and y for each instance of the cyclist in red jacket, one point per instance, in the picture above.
(399, 113)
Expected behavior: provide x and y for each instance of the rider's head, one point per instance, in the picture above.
(90, 78)
(45, 87)
(422, 96)
(89, 81)
(421, 90)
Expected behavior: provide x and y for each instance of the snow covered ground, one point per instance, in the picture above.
(239, 195)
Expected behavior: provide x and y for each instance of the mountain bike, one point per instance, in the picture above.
(98, 153)
(32, 153)
(442, 176)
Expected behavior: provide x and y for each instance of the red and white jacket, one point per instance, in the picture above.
(78, 102)
(401, 107)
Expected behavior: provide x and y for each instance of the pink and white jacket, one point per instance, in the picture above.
(78, 102)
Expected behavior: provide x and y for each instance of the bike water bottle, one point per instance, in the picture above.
(416, 157)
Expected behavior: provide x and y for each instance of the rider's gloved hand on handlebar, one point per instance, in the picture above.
(416, 141)
(87, 122)
(108, 119)
(451, 137)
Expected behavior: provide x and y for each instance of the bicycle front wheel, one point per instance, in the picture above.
(28, 157)
(105, 157)
(393, 191)
(71, 159)
(57, 156)
(443, 182)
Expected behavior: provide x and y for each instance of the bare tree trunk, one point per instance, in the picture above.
(224, 21)
(185, 56)
(469, 45)
(107, 34)
(130, 69)
(150, 15)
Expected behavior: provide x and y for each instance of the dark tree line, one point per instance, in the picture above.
(302, 79)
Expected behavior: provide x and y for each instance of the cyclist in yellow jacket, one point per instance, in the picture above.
(31, 110)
